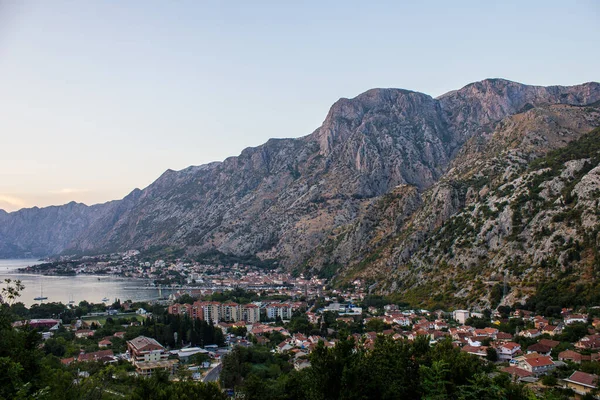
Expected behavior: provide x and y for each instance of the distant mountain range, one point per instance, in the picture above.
(395, 186)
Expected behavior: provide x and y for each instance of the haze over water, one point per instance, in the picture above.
(92, 288)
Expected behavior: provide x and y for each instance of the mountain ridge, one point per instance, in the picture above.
(285, 198)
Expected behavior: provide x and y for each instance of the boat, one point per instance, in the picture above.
(41, 297)
(71, 301)
(105, 299)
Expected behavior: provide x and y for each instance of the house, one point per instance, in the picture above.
(261, 340)
(301, 364)
(570, 355)
(104, 343)
(439, 325)
(479, 351)
(537, 365)
(539, 348)
(148, 355)
(507, 351)
(552, 330)
(550, 343)
(504, 336)
(590, 342)
(575, 318)
(402, 321)
(101, 355)
(84, 333)
(539, 322)
(67, 361)
(582, 383)
(312, 317)
(530, 333)
(284, 347)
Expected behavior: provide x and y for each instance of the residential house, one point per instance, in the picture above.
(570, 355)
(507, 351)
(537, 365)
(552, 330)
(479, 351)
(504, 336)
(582, 383)
(539, 348)
(550, 343)
(84, 333)
(530, 333)
(101, 355)
(590, 342)
(575, 318)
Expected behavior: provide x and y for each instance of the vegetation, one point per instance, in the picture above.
(391, 370)
(30, 368)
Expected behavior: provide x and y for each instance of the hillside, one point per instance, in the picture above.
(498, 213)
(394, 186)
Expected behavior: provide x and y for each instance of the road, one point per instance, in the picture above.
(213, 374)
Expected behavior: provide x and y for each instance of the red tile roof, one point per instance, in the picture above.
(539, 361)
(584, 379)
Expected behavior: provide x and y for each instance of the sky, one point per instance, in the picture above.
(100, 97)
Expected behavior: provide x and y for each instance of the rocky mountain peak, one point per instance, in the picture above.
(284, 198)
(348, 115)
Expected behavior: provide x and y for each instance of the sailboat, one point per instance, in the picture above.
(41, 296)
(71, 301)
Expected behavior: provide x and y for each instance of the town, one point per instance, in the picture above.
(200, 327)
(183, 275)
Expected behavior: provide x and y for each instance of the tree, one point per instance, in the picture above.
(549, 380)
(376, 324)
(10, 291)
(434, 380)
(491, 354)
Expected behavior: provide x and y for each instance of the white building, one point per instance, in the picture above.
(461, 315)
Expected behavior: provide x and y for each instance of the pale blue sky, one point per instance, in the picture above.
(100, 97)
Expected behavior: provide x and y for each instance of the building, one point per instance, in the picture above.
(250, 313)
(215, 312)
(537, 365)
(231, 312)
(539, 348)
(102, 355)
(507, 351)
(281, 310)
(582, 383)
(52, 324)
(590, 342)
(461, 316)
(576, 318)
(570, 355)
(147, 355)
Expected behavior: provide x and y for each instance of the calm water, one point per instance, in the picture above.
(77, 288)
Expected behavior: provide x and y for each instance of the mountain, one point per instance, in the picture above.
(363, 195)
